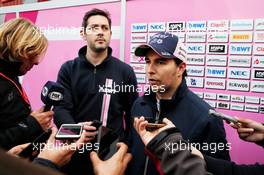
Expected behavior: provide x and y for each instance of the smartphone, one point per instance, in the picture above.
(154, 126)
(223, 116)
(96, 123)
(34, 146)
(69, 132)
(107, 143)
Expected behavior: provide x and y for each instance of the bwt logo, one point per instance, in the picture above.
(215, 72)
(196, 25)
(140, 27)
(217, 48)
(259, 74)
(195, 48)
(240, 49)
(239, 73)
(176, 26)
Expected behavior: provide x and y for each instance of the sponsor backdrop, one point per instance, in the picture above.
(225, 44)
(225, 41)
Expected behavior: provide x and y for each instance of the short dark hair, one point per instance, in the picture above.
(178, 62)
(95, 12)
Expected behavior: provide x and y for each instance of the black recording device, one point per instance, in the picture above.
(107, 143)
(51, 95)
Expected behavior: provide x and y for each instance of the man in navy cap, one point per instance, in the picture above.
(170, 97)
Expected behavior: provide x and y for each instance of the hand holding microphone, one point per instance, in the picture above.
(51, 95)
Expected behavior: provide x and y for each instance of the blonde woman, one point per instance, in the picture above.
(22, 45)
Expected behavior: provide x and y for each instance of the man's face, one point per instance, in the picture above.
(163, 72)
(98, 33)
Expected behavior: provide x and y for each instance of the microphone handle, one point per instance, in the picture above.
(47, 108)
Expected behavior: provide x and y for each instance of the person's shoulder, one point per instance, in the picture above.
(197, 102)
(121, 64)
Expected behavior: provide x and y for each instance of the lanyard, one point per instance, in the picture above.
(21, 91)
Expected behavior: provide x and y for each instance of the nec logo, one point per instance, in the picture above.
(176, 26)
(239, 73)
(157, 27)
(259, 74)
(195, 48)
(217, 48)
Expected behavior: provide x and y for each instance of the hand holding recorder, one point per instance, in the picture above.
(140, 124)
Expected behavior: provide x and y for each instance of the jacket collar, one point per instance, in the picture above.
(166, 105)
(10, 68)
(82, 56)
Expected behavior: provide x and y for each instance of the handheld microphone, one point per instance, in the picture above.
(52, 94)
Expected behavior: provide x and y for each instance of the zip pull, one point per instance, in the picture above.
(95, 70)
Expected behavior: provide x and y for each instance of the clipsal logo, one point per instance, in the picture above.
(195, 70)
(258, 49)
(176, 26)
(196, 48)
(223, 105)
(214, 83)
(195, 82)
(257, 86)
(217, 49)
(218, 25)
(157, 27)
(140, 27)
(239, 61)
(238, 85)
(240, 49)
(216, 72)
(195, 59)
(258, 61)
(239, 73)
(133, 47)
(196, 25)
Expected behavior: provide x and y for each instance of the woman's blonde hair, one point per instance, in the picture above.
(20, 39)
